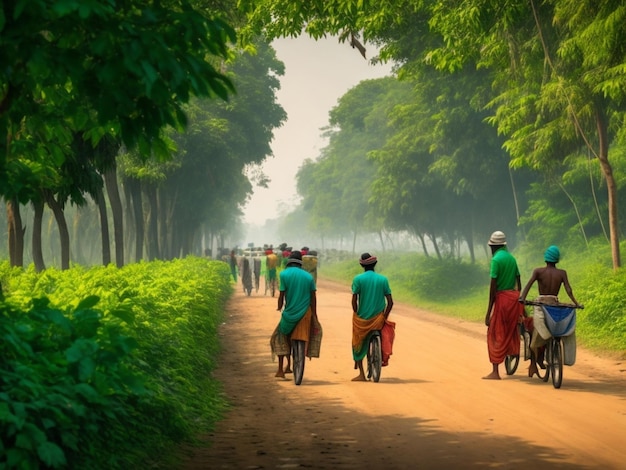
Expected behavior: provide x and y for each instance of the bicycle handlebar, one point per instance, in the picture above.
(533, 302)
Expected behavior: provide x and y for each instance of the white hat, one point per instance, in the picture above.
(497, 238)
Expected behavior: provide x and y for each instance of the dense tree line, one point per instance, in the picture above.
(505, 115)
(114, 106)
(521, 85)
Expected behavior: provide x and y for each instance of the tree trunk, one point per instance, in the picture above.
(152, 247)
(36, 241)
(104, 228)
(423, 242)
(64, 233)
(134, 187)
(16, 234)
(433, 239)
(611, 186)
(110, 180)
(382, 240)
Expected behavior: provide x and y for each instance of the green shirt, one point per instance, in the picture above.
(297, 285)
(504, 269)
(371, 288)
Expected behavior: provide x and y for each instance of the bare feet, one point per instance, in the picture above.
(359, 378)
(280, 374)
(492, 376)
(532, 370)
(288, 370)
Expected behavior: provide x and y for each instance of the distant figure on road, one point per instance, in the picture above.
(233, 265)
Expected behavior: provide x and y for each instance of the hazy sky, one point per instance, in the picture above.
(317, 74)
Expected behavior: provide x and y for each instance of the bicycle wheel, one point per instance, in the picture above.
(557, 362)
(374, 358)
(511, 363)
(297, 350)
(527, 351)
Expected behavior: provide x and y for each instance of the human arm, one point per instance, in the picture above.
(281, 300)
(530, 282)
(493, 287)
(314, 303)
(355, 303)
(568, 288)
(389, 305)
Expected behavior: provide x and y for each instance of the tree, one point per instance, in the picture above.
(123, 69)
(558, 73)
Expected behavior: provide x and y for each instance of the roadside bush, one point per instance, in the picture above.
(106, 367)
(603, 320)
(447, 279)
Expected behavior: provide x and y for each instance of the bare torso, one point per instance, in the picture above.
(549, 280)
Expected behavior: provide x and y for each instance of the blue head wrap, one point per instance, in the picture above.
(552, 254)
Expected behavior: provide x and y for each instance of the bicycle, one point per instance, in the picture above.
(561, 322)
(374, 356)
(512, 361)
(297, 353)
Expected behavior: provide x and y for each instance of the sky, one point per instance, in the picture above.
(317, 74)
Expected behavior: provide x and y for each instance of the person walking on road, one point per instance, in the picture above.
(371, 304)
(298, 296)
(504, 312)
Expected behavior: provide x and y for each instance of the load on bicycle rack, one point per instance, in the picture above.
(560, 325)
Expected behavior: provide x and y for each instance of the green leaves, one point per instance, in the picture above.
(107, 379)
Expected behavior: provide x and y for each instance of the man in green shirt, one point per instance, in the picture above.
(504, 312)
(371, 304)
(298, 297)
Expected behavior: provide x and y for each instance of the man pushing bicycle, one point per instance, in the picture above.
(549, 281)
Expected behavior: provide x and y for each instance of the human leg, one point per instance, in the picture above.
(361, 376)
(280, 372)
(495, 373)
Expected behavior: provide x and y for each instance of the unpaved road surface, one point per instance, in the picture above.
(430, 410)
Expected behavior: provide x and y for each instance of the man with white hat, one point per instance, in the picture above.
(504, 311)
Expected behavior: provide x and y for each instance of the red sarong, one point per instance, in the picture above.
(503, 333)
(387, 336)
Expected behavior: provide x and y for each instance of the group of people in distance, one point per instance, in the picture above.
(255, 263)
(372, 303)
(506, 305)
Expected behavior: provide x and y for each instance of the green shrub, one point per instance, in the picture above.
(447, 279)
(107, 368)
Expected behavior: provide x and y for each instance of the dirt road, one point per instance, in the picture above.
(430, 410)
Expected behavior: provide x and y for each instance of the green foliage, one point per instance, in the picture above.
(108, 368)
(603, 321)
(447, 279)
(418, 278)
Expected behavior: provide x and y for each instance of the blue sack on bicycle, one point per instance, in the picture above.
(561, 321)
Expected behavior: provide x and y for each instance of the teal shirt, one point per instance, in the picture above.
(371, 288)
(504, 269)
(297, 284)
